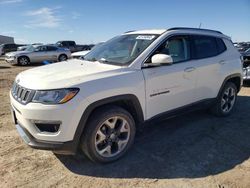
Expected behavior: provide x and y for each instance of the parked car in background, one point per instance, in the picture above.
(246, 64)
(79, 54)
(246, 55)
(39, 53)
(5, 48)
(22, 48)
(242, 46)
(72, 46)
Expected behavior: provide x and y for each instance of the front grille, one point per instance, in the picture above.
(21, 94)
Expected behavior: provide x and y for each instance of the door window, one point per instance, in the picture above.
(178, 47)
(204, 47)
(51, 48)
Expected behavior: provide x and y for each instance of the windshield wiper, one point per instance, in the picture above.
(103, 60)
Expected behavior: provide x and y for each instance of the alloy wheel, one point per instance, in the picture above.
(112, 136)
(228, 99)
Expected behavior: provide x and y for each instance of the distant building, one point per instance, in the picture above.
(6, 39)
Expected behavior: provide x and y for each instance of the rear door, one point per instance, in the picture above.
(52, 54)
(208, 54)
(170, 86)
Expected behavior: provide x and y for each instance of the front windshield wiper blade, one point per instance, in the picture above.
(93, 59)
(103, 60)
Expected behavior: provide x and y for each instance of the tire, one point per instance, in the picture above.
(108, 135)
(23, 61)
(226, 100)
(62, 57)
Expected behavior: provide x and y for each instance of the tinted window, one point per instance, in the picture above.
(41, 48)
(51, 48)
(64, 43)
(71, 43)
(221, 47)
(178, 47)
(204, 47)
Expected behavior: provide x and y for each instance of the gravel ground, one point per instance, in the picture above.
(192, 150)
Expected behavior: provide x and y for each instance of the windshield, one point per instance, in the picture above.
(248, 50)
(30, 48)
(121, 50)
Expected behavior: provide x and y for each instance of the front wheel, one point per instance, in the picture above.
(23, 61)
(226, 100)
(109, 134)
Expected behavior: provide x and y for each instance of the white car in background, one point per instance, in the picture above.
(77, 55)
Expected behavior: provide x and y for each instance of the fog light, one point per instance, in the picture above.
(47, 126)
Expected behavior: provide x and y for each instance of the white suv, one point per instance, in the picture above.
(96, 103)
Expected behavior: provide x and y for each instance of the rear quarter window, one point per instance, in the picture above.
(221, 47)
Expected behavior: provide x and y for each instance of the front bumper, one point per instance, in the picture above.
(67, 148)
(11, 60)
(63, 141)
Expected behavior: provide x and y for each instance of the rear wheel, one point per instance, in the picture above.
(226, 100)
(23, 60)
(62, 57)
(109, 134)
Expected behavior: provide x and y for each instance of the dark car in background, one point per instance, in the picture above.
(246, 64)
(22, 48)
(5, 48)
(242, 46)
(72, 46)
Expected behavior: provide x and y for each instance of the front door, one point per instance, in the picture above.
(170, 86)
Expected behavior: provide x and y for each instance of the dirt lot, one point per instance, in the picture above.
(193, 150)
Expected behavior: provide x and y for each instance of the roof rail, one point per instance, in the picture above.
(196, 29)
(129, 31)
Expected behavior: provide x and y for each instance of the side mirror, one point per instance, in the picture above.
(162, 59)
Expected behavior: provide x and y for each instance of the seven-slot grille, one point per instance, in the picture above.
(21, 94)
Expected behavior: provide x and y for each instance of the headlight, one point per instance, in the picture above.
(57, 96)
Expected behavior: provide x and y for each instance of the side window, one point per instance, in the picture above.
(7, 46)
(71, 43)
(51, 48)
(221, 47)
(178, 47)
(64, 44)
(12, 46)
(204, 47)
(41, 48)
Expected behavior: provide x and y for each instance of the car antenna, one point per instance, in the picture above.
(200, 25)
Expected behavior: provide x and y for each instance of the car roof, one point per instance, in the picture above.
(148, 31)
(181, 30)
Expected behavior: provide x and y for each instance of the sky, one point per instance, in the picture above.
(93, 21)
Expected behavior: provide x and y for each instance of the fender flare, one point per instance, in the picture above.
(88, 111)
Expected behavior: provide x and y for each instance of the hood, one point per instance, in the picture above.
(17, 53)
(81, 53)
(65, 74)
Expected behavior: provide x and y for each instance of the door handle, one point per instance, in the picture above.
(222, 62)
(189, 69)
